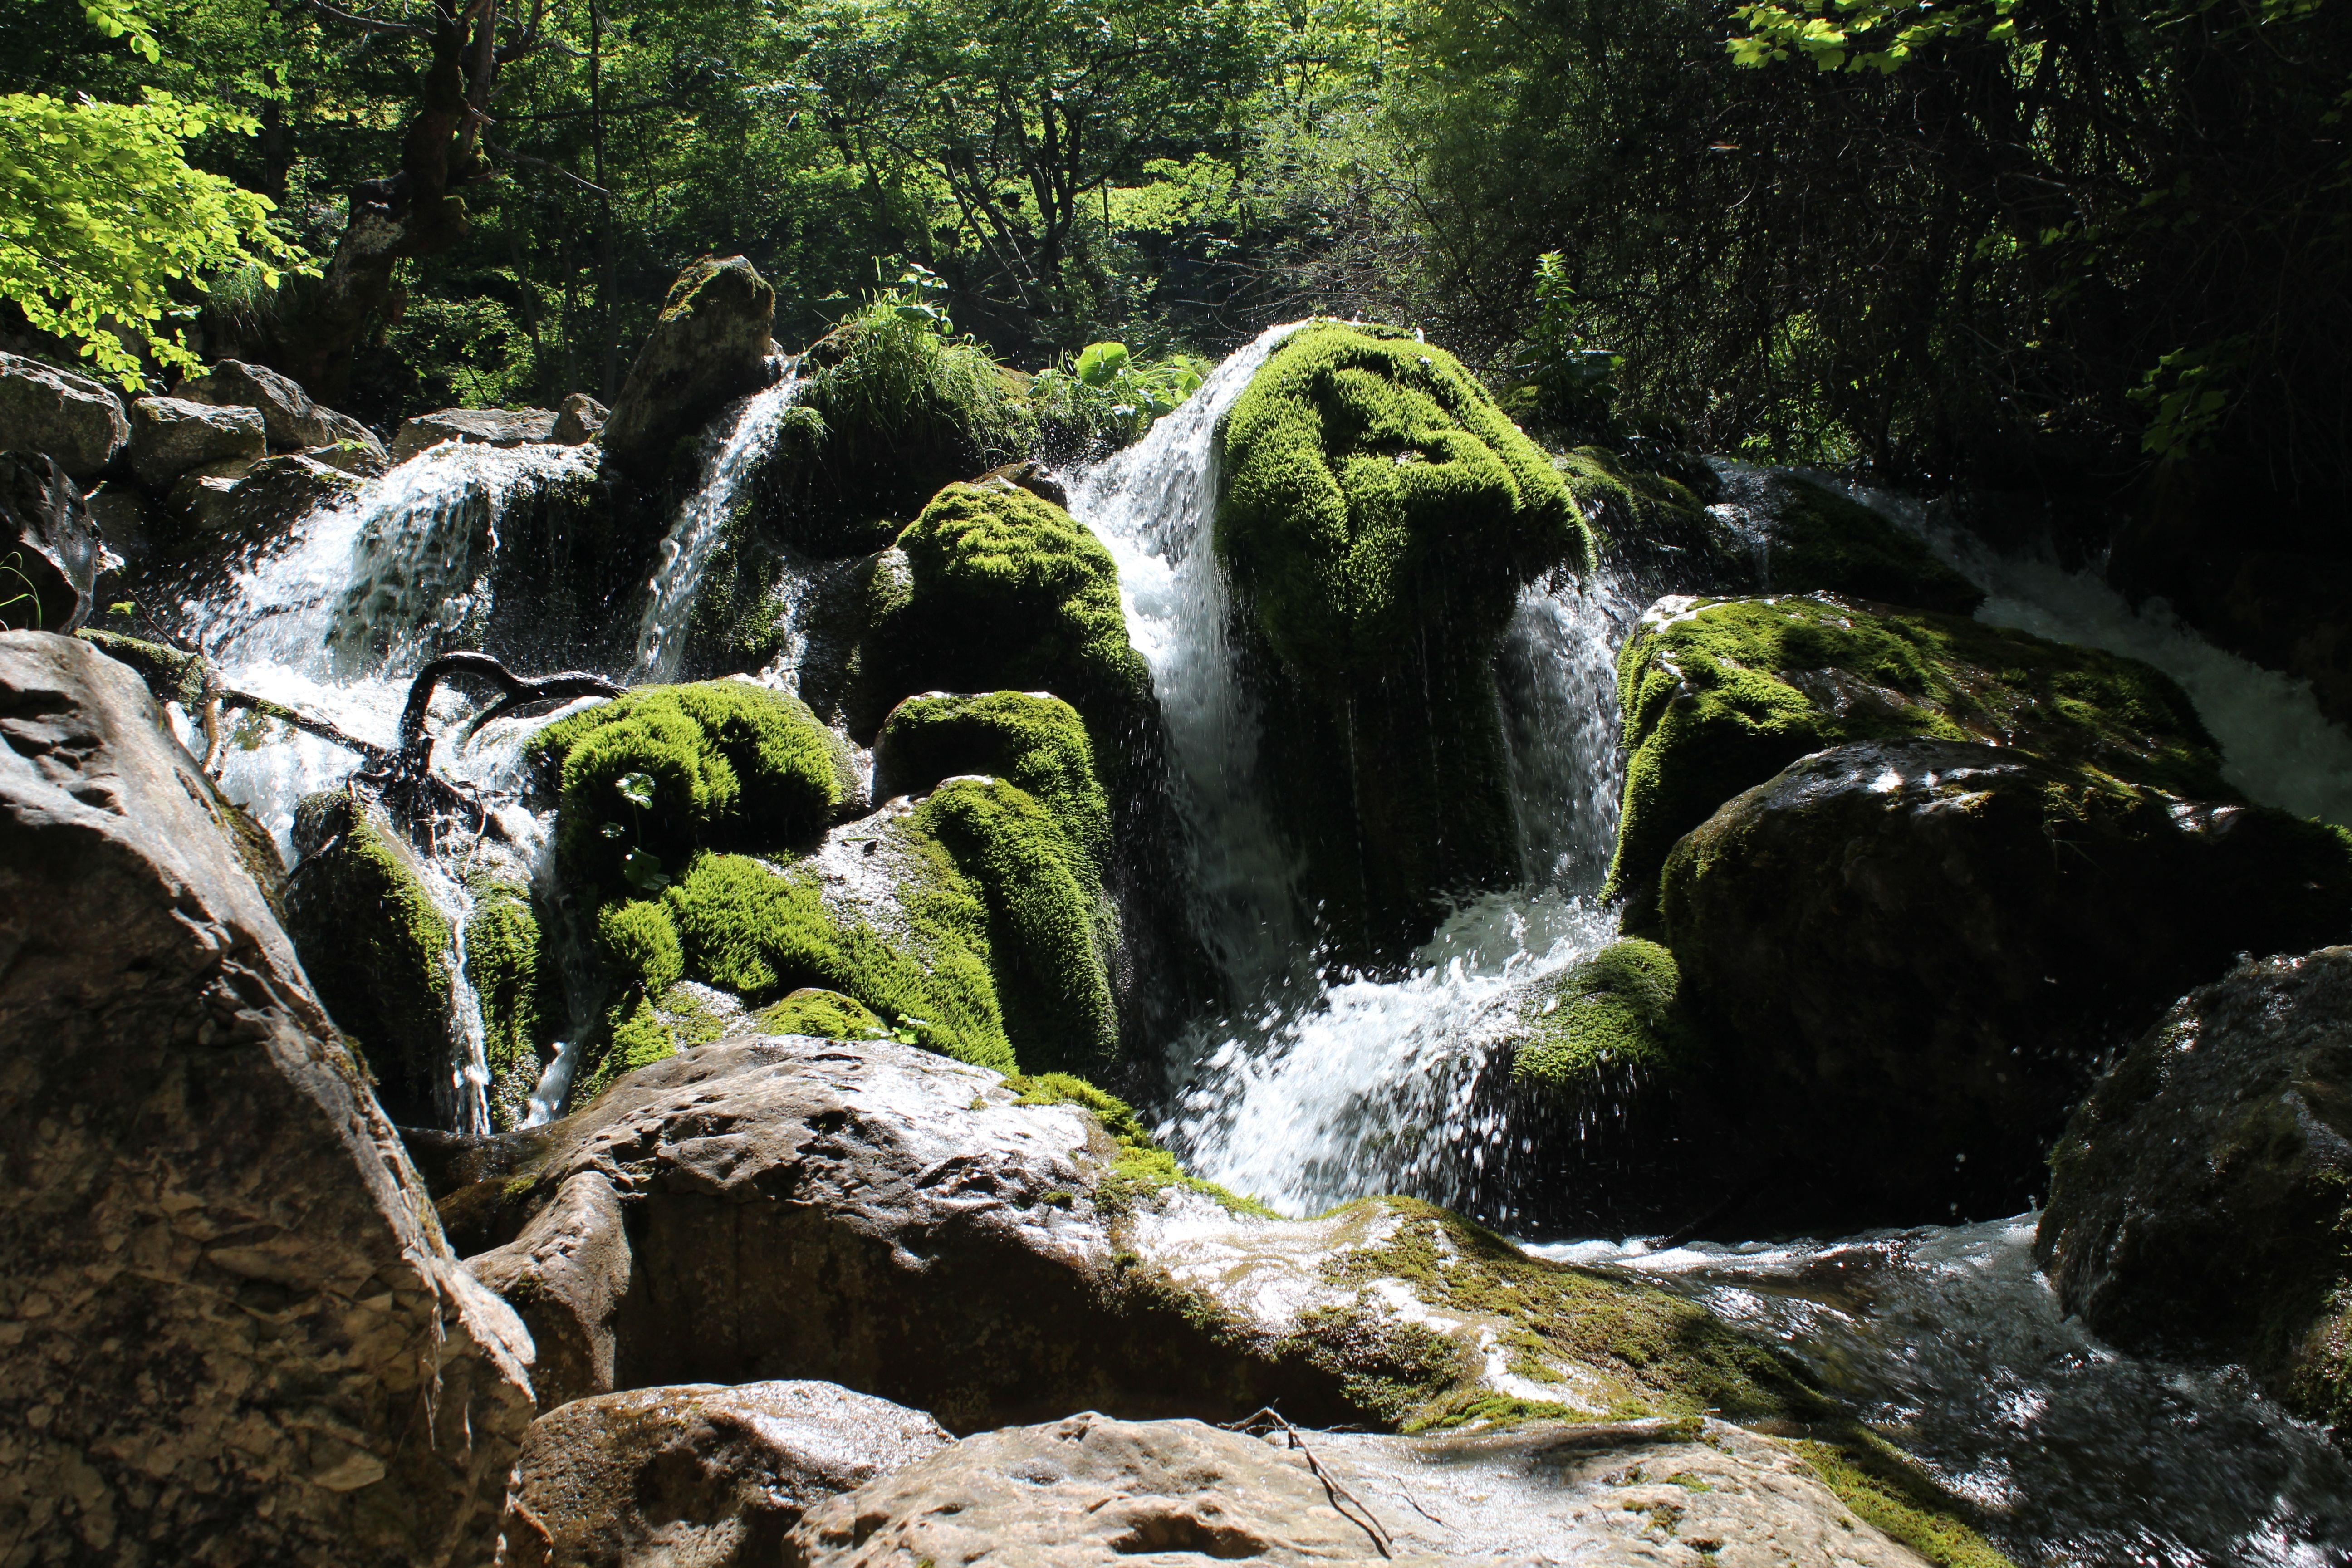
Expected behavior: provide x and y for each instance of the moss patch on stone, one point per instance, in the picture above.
(827, 1015)
(1372, 487)
(511, 976)
(730, 765)
(1618, 1011)
(378, 950)
(1143, 1167)
(1004, 589)
(1655, 521)
(1720, 695)
(1029, 739)
(1887, 1490)
(1823, 542)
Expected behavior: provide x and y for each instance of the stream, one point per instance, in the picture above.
(1323, 1083)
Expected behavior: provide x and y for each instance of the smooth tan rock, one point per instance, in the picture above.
(579, 419)
(230, 1330)
(700, 1476)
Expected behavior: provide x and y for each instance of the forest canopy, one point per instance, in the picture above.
(2027, 243)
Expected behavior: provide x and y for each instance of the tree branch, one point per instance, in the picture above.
(366, 24)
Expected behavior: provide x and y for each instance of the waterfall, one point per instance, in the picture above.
(1328, 1085)
(727, 464)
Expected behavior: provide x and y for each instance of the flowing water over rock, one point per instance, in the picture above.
(1949, 1341)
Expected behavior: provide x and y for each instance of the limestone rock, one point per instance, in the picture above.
(49, 547)
(276, 493)
(710, 345)
(230, 1330)
(1910, 955)
(203, 497)
(700, 1475)
(2201, 1198)
(871, 1214)
(579, 419)
(362, 459)
(75, 420)
(287, 413)
(492, 426)
(170, 436)
(1092, 1491)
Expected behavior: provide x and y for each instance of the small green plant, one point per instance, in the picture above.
(14, 567)
(640, 868)
(1569, 383)
(1107, 393)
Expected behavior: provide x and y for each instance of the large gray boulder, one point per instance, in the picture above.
(2200, 1203)
(170, 436)
(264, 497)
(488, 427)
(230, 1330)
(49, 547)
(701, 1475)
(75, 420)
(1910, 956)
(710, 345)
(292, 420)
(1091, 1490)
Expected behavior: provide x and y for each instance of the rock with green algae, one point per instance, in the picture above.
(2201, 1201)
(996, 587)
(646, 781)
(711, 343)
(379, 950)
(1654, 524)
(1823, 542)
(1910, 956)
(1379, 516)
(994, 1249)
(1718, 695)
(520, 993)
(824, 1015)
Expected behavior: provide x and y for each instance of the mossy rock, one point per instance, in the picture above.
(1379, 518)
(1655, 524)
(1032, 739)
(729, 764)
(378, 950)
(1823, 542)
(1720, 695)
(1002, 589)
(708, 344)
(514, 976)
(1617, 1015)
(827, 1015)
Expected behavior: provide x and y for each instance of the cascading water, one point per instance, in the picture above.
(726, 467)
(334, 621)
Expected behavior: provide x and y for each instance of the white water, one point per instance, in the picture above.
(2276, 745)
(1950, 1341)
(334, 622)
(727, 464)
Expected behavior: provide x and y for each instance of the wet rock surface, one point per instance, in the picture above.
(78, 421)
(1912, 954)
(2201, 1198)
(1090, 1489)
(230, 1332)
(579, 419)
(49, 546)
(700, 1475)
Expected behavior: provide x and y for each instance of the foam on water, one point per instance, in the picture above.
(1951, 1342)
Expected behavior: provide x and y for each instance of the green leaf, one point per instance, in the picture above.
(637, 789)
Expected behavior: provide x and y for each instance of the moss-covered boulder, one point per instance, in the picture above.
(1378, 518)
(650, 778)
(2201, 1201)
(711, 343)
(520, 991)
(995, 587)
(823, 1014)
(379, 950)
(1653, 523)
(1823, 542)
(1594, 1029)
(1720, 695)
(1909, 956)
(1032, 739)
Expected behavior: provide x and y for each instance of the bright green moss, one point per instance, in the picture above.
(1005, 590)
(1142, 1166)
(637, 1037)
(507, 969)
(378, 950)
(1025, 738)
(1051, 932)
(1823, 542)
(1374, 492)
(1617, 1010)
(1887, 1490)
(826, 1014)
(640, 944)
(731, 765)
(1720, 696)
